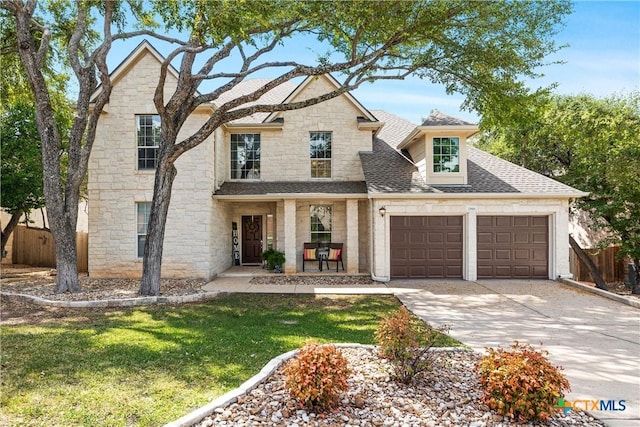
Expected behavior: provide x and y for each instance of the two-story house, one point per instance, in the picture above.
(405, 201)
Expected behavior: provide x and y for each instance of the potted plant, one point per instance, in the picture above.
(274, 259)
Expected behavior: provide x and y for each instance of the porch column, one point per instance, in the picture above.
(471, 263)
(290, 236)
(353, 253)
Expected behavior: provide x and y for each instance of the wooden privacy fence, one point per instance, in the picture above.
(612, 268)
(35, 247)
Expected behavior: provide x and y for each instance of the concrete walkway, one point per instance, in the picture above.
(595, 339)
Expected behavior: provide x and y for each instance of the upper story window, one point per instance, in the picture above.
(142, 218)
(320, 223)
(446, 154)
(245, 156)
(320, 154)
(148, 130)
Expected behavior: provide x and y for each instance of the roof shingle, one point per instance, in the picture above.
(259, 188)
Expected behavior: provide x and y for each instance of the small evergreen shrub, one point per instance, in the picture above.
(317, 376)
(405, 341)
(521, 383)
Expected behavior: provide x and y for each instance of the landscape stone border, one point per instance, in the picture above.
(630, 301)
(232, 396)
(116, 302)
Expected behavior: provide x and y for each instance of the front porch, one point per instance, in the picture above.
(287, 224)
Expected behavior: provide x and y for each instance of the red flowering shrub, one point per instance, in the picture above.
(317, 376)
(405, 341)
(521, 383)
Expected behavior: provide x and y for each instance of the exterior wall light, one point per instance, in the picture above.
(383, 211)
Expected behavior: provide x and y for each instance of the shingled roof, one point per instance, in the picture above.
(265, 188)
(387, 171)
(274, 96)
(438, 118)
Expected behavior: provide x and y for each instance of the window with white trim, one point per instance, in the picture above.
(320, 223)
(142, 218)
(245, 156)
(148, 134)
(320, 154)
(446, 155)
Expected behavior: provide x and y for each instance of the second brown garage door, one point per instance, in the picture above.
(513, 247)
(426, 247)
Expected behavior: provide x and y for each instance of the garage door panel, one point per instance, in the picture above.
(416, 254)
(521, 221)
(539, 221)
(521, 254)
(539, 271)
(502, 238)
(539, 237)
(502, 221)
(512, 247)
(454, 237)
(426, 246)
(485, 237)
(436, 238)
(521, 238)
(502, 255)
(415, 238)
(539, 255)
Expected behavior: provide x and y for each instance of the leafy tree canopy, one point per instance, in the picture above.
(590, 143)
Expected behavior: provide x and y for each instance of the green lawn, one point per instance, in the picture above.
(148, 366)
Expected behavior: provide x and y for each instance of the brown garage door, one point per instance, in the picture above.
(513, 247)
(426, 247)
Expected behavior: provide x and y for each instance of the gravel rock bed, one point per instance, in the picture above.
(316, 280)
(449, 396)
(43, 285)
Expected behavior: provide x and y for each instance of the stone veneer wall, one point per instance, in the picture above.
(193, 242)
(285, 153)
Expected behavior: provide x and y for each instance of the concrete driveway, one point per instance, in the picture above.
(596, 340)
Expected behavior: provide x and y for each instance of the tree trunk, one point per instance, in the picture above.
(635, 287)
(593, 269)
(152, 263)
(8, 229)
(66, 260)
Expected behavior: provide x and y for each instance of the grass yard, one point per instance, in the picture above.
(149, 366)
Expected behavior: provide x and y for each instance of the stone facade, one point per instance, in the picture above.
(198, 240)
(115, 186)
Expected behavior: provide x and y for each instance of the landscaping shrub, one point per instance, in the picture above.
(317, 376)
(521, 383)
(405, 341)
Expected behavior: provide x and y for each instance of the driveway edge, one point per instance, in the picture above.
(614, 297)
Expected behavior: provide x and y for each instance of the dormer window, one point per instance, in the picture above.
(446, 154)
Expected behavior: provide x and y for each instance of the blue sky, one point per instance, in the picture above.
(602, 57)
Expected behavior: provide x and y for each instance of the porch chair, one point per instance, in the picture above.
(335, 255)
(310, 252)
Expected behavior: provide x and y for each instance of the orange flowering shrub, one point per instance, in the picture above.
(405, 341)
(521, 383)
(317, 376)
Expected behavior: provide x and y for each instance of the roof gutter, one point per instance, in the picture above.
(440, 195)
(289, 196)
(270, 125)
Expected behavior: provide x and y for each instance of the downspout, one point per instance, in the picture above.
(373, 241)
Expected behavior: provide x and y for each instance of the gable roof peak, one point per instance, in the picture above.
(438, 118)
